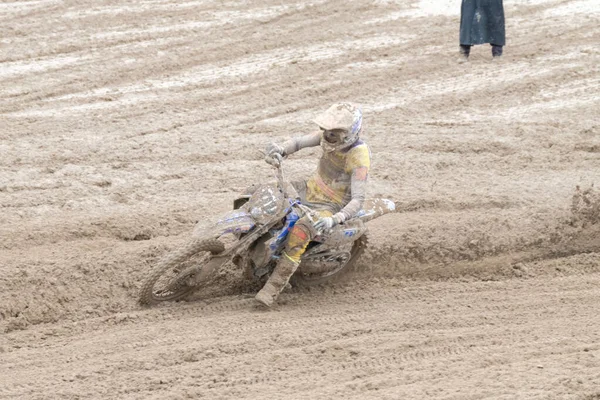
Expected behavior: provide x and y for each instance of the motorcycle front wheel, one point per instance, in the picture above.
(167, 281)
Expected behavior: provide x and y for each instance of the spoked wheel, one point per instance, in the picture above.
(334, 266)
(169, 281)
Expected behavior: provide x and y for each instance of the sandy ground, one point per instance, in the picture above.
(122, 124)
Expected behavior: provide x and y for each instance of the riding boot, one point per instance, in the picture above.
(277, 281)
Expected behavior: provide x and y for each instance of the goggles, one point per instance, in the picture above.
(335, 136)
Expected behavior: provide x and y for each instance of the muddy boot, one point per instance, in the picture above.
(277, 281)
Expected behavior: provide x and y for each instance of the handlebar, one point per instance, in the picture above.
(275, 160)
(281, 180)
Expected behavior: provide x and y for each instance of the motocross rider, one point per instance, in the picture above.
(336, 191)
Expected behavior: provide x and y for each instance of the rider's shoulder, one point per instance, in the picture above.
(359, 146)
(358, 156)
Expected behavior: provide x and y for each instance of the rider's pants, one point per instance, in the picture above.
(301, 235)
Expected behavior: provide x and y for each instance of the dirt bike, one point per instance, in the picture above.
(259, 225)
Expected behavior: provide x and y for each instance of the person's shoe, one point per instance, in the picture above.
(496, 51)
(462, 59)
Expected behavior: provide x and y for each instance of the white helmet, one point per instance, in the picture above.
(341, 125)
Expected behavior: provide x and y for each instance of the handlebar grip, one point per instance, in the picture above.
(274, 159)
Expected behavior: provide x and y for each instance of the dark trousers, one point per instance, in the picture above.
(465, 50)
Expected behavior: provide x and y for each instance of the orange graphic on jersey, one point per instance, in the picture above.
(361, 173)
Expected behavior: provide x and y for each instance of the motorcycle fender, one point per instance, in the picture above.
(240, 201)
(245, 196)
(235, 221)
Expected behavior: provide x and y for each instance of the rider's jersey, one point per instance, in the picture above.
(331, 183)
(340, 180)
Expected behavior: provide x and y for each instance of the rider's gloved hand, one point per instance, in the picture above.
(326, 223)
(274, 154)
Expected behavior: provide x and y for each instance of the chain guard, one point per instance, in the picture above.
(323, 262)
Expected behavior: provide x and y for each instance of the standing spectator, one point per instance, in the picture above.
(481, 21)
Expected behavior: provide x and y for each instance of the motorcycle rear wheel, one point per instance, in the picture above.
(310, 280)
(151, 294)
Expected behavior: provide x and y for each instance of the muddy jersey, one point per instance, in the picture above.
(340, 180)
